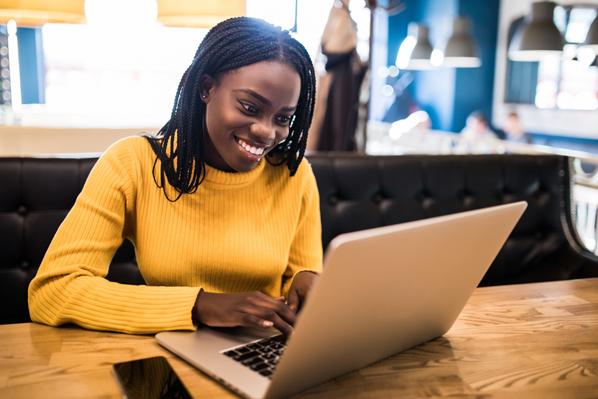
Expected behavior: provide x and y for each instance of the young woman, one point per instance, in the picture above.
(221, 206)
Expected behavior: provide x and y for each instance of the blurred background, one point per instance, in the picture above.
(394, 76)
(431, 64)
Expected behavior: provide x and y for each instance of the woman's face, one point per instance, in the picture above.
(248, 111)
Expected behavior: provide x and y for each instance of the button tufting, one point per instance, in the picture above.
(333, 200)
(427, 202)
(21, 210)
(24, 265)
(468, 200)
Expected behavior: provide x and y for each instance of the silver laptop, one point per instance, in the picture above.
(383, 290)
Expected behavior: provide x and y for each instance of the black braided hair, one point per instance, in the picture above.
(231, 44)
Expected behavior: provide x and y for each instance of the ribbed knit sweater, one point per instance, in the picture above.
(238, 232)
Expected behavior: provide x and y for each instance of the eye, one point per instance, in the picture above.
(249, 108)
(284, 119)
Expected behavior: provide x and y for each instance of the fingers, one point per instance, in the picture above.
(278, 306)
(253, 309)
(269, 316)
(251, 320)
(269, 312)
(265, 318)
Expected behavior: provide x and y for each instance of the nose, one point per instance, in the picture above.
(263, 132)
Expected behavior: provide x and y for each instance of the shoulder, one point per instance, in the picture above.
(303, 183)
(305, 171)
(303, 174)
(127, 145)
(126, 160)
(129, 150)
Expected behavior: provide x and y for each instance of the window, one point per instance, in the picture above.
(568, 82)
(521, 77)
(122, 68)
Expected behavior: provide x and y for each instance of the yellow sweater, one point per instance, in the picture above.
(239, 232)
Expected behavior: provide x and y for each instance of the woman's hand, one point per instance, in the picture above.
(302, 283)
(249, 309)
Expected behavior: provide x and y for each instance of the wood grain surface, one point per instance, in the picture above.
(520, 341)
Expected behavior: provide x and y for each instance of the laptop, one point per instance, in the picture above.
(382, 291)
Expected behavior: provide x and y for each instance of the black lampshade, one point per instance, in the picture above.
(592, 36)
(461, 50)
(415, 51)
(538, 37)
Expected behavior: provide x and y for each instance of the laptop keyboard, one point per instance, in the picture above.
(260, 356)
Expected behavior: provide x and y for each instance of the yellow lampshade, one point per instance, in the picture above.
(198, 13)
(38, 12)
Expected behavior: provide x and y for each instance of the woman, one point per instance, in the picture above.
(223, 212)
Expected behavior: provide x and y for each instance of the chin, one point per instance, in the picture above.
(241, 167)
(245, 168)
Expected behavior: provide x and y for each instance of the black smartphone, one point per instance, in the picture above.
(149, 378)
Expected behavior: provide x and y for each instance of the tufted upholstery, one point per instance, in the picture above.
(356, 192)
(35, 196)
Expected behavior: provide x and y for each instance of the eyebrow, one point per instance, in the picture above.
(263, 99)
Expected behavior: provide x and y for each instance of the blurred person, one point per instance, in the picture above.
(412, 135)
(337, 108)
(417, 122)
(477, 137)
(514, 130)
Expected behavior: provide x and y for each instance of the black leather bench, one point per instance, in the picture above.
(356, 192)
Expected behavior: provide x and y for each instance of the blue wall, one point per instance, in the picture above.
(447, 94)
(397, 31)
(476, 85)
(435, 90)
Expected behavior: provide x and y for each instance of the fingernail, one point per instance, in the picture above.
(292, 307)
(267, 323)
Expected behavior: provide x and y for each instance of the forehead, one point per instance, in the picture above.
(275, 80)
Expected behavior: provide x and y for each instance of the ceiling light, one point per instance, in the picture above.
(538, 37)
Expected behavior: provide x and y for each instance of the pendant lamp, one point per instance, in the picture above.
(461, 50)
(538, 37)
(415, 51)
(592, 36)
(198, 13)
(39, 12)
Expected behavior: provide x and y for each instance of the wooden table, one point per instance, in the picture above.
(533, 341)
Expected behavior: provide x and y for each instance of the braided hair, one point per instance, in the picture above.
(231, 44)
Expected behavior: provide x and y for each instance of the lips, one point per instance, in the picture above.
(252, 149)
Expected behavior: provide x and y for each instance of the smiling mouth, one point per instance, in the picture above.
(250, 149)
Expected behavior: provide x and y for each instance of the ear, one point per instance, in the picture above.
(207, 84)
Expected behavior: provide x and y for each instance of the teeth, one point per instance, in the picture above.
(251, 149)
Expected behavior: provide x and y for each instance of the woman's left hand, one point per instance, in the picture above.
(302, 283)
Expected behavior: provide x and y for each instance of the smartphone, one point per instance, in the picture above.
(150, 378)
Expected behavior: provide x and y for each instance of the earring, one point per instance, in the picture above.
(204, 96)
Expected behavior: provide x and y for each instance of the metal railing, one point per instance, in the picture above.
(583, 166)
(584, 190)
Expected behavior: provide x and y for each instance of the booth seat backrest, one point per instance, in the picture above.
(356, 192)
(360, 192)
(35, 196)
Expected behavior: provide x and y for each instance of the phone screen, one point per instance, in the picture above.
(149, 378)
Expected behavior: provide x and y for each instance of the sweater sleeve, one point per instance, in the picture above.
(70, 285)
(306, 249)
